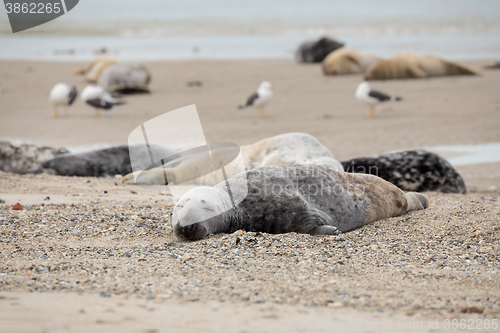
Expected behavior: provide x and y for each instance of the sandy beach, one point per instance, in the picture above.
(103, 256)
(434, 112)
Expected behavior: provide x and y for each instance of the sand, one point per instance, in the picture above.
(104, 239)
(438, 111)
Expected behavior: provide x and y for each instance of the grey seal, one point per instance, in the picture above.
(288, 148)
(20, 157)
(316, 51)
(411, 170)
(97, 163)
(125, 78)
(310, 199)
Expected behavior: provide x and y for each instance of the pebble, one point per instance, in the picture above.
(422, 263)
(17, 206)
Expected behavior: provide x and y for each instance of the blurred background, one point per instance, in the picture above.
(249, 29)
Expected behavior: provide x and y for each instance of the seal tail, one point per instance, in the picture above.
(416, 201)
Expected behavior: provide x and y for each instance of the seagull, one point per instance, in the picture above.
(365, 94)
(62, 95)
(97, 97)
(259, 98)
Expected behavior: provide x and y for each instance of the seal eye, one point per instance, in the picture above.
(202, 201)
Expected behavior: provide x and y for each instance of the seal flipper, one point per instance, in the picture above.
(416, 201)
(320, 222)
(325, 230)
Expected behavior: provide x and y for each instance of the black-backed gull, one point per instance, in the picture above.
(98, 98)
(365, 94)
(259, 99)
(62, 95)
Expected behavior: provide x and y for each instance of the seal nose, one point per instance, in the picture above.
(187, 226)
(191, 232)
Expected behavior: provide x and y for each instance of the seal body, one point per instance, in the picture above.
(316, 51)
(92, 70)
(414, 65)
(98, 163)
(292, 198)
(411, 170)
(124, 78)
(345, 61)
(289, 148)
(21, 157)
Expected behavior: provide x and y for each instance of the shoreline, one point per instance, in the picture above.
(68, 48)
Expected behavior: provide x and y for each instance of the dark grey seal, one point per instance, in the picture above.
(100, 163)
(316, 51)
(19, 157)
(411, 170)
(311, 199)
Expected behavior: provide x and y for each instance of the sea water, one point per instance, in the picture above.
(250, 29)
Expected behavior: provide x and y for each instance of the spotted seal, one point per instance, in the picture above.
(411, 170)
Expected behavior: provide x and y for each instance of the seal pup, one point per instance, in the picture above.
(259, 99)
(345, 61)
(316, 51)
(125, 78)
(413, 66)
(62, 95)
(310, 199)
(288, 148)
(365, 94)
(411, 170)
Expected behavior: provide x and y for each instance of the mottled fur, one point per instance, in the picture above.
(411, 170)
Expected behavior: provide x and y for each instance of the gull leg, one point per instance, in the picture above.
(96, 112)
(372, 112)
(55, 112)
(260, 112)
(65, 110)
(263, 113)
